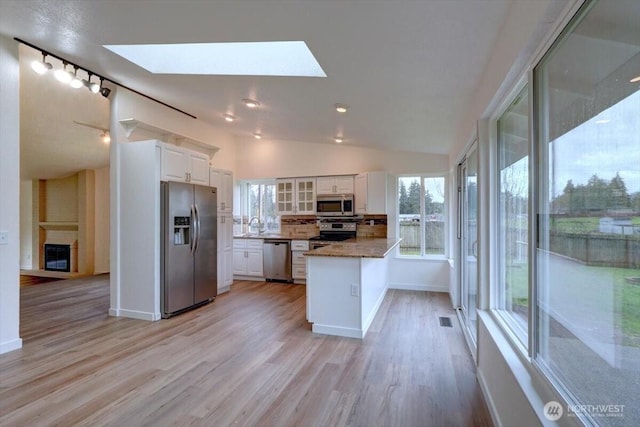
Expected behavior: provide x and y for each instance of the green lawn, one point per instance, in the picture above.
(580, 225)
(627, 297)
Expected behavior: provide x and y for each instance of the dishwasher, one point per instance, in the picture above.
(277, 260)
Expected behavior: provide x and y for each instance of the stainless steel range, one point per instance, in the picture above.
(332, 232)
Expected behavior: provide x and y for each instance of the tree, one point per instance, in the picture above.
(619, 198)
(413, 200)
(403, 198)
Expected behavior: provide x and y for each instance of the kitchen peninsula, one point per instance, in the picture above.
(346, 284)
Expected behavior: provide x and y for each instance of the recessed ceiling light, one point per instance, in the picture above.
(257, 135)
(602, 121)
(635, 80)
(251, 103)
(338, 139)
(229, 117)
(279, 58)
(341, 108)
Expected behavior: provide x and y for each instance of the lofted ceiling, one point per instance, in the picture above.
(407, 69)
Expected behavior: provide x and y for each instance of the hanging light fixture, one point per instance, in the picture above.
(338, 139)
(257, 135)
(41, 67)
(229, 117)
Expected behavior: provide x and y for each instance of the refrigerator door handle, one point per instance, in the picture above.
(192, 240)
(197, 243)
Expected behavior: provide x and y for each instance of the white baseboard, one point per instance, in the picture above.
(372, 315)
(8, 346)
(337, 330)
(134, 314)
(419, 287)
(493, 411)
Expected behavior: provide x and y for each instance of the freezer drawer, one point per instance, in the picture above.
(277, 260)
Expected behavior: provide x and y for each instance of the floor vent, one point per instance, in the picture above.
(446, 321)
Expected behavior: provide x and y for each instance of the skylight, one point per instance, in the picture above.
(282, 58)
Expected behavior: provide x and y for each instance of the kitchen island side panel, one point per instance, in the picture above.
(374, 284)
(332, 307)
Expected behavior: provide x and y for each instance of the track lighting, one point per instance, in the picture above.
(92, 86)
(41, 67)
(62, 75)
(75, 82)
(72, 78)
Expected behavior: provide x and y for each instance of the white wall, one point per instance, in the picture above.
(280, 159)
(9, 195)
(127, 105)
(26, 222)
(419, 275)
(101, 255)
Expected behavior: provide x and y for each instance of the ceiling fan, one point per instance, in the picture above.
(105, 137)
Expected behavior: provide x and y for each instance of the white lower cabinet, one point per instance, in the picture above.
(247, 257)
(225, 252)
(298, 260)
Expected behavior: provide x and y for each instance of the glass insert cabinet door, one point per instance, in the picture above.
(284, 195)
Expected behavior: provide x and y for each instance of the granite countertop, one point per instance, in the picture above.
(360, 247)
(287, 236)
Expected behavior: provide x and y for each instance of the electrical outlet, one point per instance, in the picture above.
(4, 237)
(355, 290)
(371, 222)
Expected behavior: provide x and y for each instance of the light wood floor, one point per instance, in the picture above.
(247, 359)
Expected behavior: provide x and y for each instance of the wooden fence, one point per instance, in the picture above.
(606, 250)
(434, 236)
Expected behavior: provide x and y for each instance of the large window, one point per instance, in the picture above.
(421, 220)
(513, 222)
(259, 207)
(588, 197)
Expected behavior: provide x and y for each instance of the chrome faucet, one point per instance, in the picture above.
(251, 221)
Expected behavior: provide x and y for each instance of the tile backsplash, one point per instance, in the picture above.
(306, 225)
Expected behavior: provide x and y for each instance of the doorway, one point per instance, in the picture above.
(468, 248)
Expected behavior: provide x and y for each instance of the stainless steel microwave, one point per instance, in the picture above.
(334, 205)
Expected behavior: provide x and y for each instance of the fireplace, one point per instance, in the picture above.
(60, 257)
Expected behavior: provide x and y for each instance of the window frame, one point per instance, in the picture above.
(244, 200)
(445, 236)
(521, 336)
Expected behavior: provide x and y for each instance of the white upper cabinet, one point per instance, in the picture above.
(296, 196)
(370, 195)
(334, 185)
(223, 181)
(285, 202)
(179, 164)
(305, 196)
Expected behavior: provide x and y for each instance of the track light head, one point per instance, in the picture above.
(41, 67)
(75, 82)
(64, 76)
(105, 91)
(92, 86)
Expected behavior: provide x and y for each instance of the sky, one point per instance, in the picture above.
(607, 144)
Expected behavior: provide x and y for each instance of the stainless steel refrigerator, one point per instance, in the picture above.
(188, 258)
